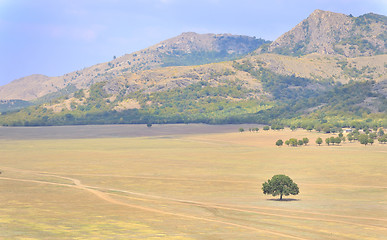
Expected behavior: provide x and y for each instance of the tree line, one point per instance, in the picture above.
(366, 137)
(293, 142)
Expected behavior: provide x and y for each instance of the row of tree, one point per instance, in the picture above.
(364, 138)
(331, 140)
(368, 137)
(294, 142)
(250, 129)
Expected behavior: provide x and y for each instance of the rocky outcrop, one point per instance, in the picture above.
(331, 33)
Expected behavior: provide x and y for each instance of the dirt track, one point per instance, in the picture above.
(105, 197)
(103, 193)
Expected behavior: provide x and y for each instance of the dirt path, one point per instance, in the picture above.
(188, 179)
(200, 204)
(225, 206)
(218, 180)
(240, 208)
(105, 197)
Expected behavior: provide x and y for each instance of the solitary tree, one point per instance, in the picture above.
(319, 141)
(305, 140)
(337, 140)
(332, 140)
(280, 185)
(241, 130)
(363, 139)
(293, 142)
(279, 142)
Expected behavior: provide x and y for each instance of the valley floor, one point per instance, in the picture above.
(194, 184)
(114, 131)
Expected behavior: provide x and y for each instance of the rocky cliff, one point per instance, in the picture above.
(331, 33)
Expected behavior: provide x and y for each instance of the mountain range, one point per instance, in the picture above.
(329, 69)
(186, 49)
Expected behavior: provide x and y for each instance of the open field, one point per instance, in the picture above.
(189, 186)
(111, 131)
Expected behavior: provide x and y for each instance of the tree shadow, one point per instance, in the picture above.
(283, 199)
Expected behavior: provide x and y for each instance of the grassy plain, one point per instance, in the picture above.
(190, 186)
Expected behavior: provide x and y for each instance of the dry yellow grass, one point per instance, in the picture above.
(325, 66)
(204, 186)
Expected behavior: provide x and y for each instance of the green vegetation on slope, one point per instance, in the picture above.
(12, 105)
(199, 102)
(202, 102)
(184, 58)
(283, 101)
(180, 58)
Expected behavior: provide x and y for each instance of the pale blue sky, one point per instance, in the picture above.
(54, 37)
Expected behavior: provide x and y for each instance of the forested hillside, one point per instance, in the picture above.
(315, 85)
(185, 49)
(262, 96)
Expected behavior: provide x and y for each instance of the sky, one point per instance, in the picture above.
(54, 37)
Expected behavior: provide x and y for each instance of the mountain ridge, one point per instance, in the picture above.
(215, 45)
(316, 83)
(322, 32)
(332, 33)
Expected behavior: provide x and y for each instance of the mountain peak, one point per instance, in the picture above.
(318, 12)
(332, 33)
(189, 34)
(321, 15)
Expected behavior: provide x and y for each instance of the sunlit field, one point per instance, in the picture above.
(190, 186)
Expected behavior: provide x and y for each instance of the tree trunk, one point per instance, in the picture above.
(281, 197)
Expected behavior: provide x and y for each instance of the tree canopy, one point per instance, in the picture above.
(280, 185)
(279, 142)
